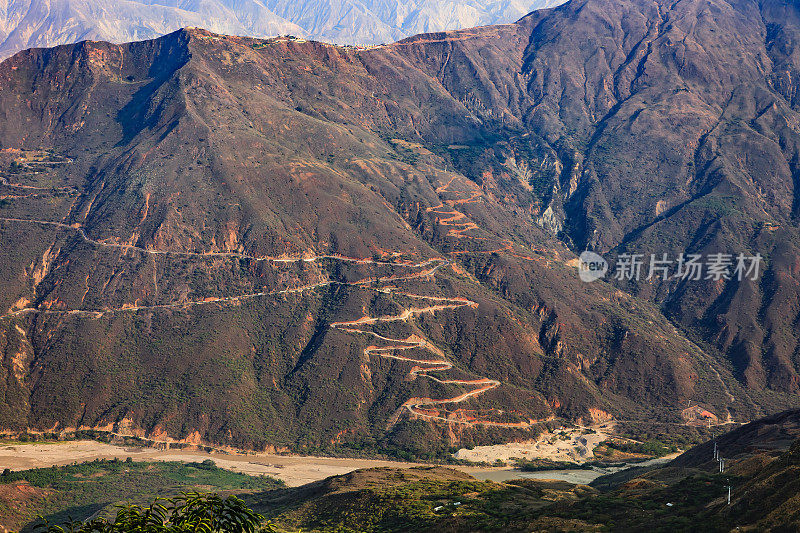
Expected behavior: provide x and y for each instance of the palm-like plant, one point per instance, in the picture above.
(189, 512)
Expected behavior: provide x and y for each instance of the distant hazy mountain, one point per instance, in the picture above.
(375, 21)
(42, 23)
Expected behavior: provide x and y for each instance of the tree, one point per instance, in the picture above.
(188, 512)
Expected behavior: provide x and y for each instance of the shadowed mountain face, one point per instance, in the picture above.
(681, 145)
(294, 244)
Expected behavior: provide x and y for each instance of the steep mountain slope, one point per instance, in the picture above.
(221, 225)
(649, 136)
(41, 23)
(681, 146)
(297, 244)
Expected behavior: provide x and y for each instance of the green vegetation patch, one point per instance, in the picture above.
(385, 500)
(539, 465)
(81, 490)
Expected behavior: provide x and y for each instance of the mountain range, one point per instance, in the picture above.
(278, 243)
(43, 23)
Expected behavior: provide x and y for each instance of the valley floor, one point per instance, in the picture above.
(293, 470)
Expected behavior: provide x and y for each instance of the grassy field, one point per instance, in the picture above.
(94, 488)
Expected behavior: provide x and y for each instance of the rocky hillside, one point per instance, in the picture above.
(281, 243)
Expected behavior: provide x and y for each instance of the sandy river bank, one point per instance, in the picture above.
(293, 470)
(297, 470)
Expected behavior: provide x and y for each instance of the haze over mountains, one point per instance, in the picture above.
(42, 23)
(272, 243)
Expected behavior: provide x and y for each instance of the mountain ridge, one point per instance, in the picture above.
(216, 206)
(35, 23)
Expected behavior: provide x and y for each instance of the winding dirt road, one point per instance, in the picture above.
(388, 348)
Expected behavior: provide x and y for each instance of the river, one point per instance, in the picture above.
(579, 476)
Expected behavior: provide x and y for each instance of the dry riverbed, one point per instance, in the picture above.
(567, 444)
(293, 470)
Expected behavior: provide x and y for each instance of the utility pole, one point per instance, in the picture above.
(715, 450)
(729, 493)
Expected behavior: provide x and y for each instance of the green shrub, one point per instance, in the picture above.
(188, 512)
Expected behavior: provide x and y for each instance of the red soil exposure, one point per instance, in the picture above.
(459, 223)
(394, 347)
(391, 348)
